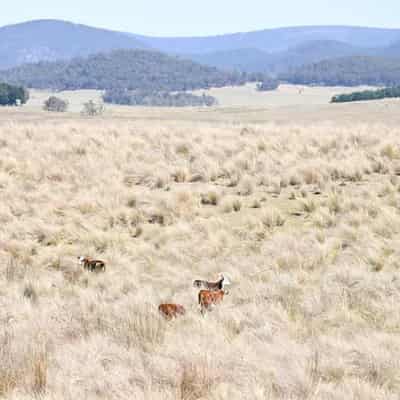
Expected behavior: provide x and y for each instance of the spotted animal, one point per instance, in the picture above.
(218, 285)
(170, 311)
(92, 265)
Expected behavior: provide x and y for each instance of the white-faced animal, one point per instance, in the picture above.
(213, 286)
(91, 264)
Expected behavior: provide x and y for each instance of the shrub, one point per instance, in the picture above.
(93, 109)
(268, 84)
(55, 104)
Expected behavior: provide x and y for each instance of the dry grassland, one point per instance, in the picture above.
(304, 219)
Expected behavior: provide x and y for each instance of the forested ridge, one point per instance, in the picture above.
(122, 69)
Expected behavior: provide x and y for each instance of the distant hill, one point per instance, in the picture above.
(122, 69)
(275, 40)
(254, 60)
(50, 40)
(271, 50)
(248, 60)
(391, 51)
(348, 71)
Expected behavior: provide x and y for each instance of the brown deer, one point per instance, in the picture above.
(170, 311)
(92, 265)
(209, 298)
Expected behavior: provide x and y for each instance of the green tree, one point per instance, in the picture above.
(12, 95)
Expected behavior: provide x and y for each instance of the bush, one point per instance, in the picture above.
(55, 104)
(12, 95)
(92, 109)
(267, 84)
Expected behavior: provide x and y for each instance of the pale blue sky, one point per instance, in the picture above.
(204, 17)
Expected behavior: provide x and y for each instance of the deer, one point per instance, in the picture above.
(209, 298)
(170, 311)
(213, 286)
(91, 264)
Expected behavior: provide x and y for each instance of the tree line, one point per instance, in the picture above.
(157, 99)
(364, 95)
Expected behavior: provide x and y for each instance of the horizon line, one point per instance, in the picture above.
(199, 36)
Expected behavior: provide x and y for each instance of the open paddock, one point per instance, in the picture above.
(298, 205)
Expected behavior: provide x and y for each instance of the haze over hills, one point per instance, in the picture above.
(49, 40)
(271, 49)
(255, 60)
(297, 54)
(275, 40)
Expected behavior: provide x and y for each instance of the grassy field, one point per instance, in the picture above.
(237, 105)
(301, 213)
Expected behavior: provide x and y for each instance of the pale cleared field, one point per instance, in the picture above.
(302, 214)
(285, 95)
(238, 105)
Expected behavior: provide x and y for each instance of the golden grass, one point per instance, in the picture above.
(303, 219)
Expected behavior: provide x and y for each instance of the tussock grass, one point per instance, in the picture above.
(304, 220)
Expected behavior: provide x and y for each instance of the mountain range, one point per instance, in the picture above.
(270, 50)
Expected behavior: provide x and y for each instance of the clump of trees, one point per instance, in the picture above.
(55, 104)
(364, 95)
(92, 109)
(157, 98)
(267, 84)
(12, 95)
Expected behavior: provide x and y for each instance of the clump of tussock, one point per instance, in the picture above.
(184, 204)
(379, 167)
(210, 198)
(324, 218)
(196, 177)
(308, 205)
(272, 218)
(255, 203)
(14, 271)
(180, 175)
(390, 151)
(182, 149)
(197, 380)
(311, 176)
(39, 368)
(246, 186)
(230, 204)
(131, 202)
(294, 180)
(30, 293)
(141, 327)
(335, 203)
(12, 368)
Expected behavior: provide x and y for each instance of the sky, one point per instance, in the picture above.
(204, 17)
